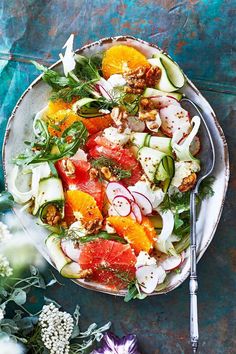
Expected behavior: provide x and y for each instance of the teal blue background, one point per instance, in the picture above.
(200, 35)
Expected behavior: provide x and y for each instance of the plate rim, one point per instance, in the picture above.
(100, 42)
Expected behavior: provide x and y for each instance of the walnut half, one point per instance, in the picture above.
(188, 182)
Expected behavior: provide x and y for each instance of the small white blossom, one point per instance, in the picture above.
(56, 329)
(8, 346)
(5, 234)
(5, 269)
(2, 314)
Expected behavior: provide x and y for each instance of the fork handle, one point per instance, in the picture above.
(194, 335)
(193, 284)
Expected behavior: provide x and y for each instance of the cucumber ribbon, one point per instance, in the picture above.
(66, 267)
(165, 239)
(182, 150)
(38, 171)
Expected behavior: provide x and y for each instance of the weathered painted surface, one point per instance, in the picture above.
(200, 35)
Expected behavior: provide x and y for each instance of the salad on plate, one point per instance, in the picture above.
(110, 167)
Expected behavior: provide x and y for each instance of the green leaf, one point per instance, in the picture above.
(72, 138)
(102, 235)
(115, 170)
(19, 296)
(132, 292)
(53, 78)
(6, 201)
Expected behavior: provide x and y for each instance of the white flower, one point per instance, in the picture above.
(8, 346)
(4, 232)
(56, 329)
(5, 269)
(2, 314)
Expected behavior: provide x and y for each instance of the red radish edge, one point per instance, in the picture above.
(114, 189)
(132, 215)
(146, 210)
(119, 209)
(181, 260)
(137, 212)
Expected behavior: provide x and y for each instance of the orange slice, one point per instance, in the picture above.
(59, 121)
(94, 125)
(58, 105)
(149, 228)
(84, 207)
(133, 232)
(119, 58)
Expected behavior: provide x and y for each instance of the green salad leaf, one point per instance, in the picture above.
(48, 148)
(114, 169)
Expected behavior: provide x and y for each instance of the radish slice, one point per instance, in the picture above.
(171, 263)
(132, 216)
(174, 118)
(135, 124)
(114, 189)
(137, 212)
(164, 101)
(112, 211)
(149, 277)
(122, 205)
(70, 250)
(143, 202)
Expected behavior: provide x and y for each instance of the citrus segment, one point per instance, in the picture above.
(58, 105)
(133, 232)
(84, 207)
(149, 228)
(62, 119)
(112, 263)
(119, 58)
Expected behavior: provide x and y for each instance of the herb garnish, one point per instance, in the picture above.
(115, 170)
(102, 235)
(49, 148)
(179, 203)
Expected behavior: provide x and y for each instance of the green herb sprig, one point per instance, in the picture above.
(118, 172)
(65, 146)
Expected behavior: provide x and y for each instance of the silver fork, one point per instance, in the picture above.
(207, 157)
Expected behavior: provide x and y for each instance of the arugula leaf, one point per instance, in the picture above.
(134, 292)
(53, 78)
(114, 169)
(87, 68)
(102, 235)
(179, 202)
(72, 138)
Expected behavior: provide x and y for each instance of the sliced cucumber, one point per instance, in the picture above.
(150, 160)
(53, 243)
(172, 77)
(155, 142)
(173, 71)
(85, 109)
(82, 102)
(71, 270)
(169, 166)
(50, 191)
(151, 92)
(138, 139)
(164, 83)
(160, 143)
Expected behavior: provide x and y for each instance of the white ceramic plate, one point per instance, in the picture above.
(19, 129)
